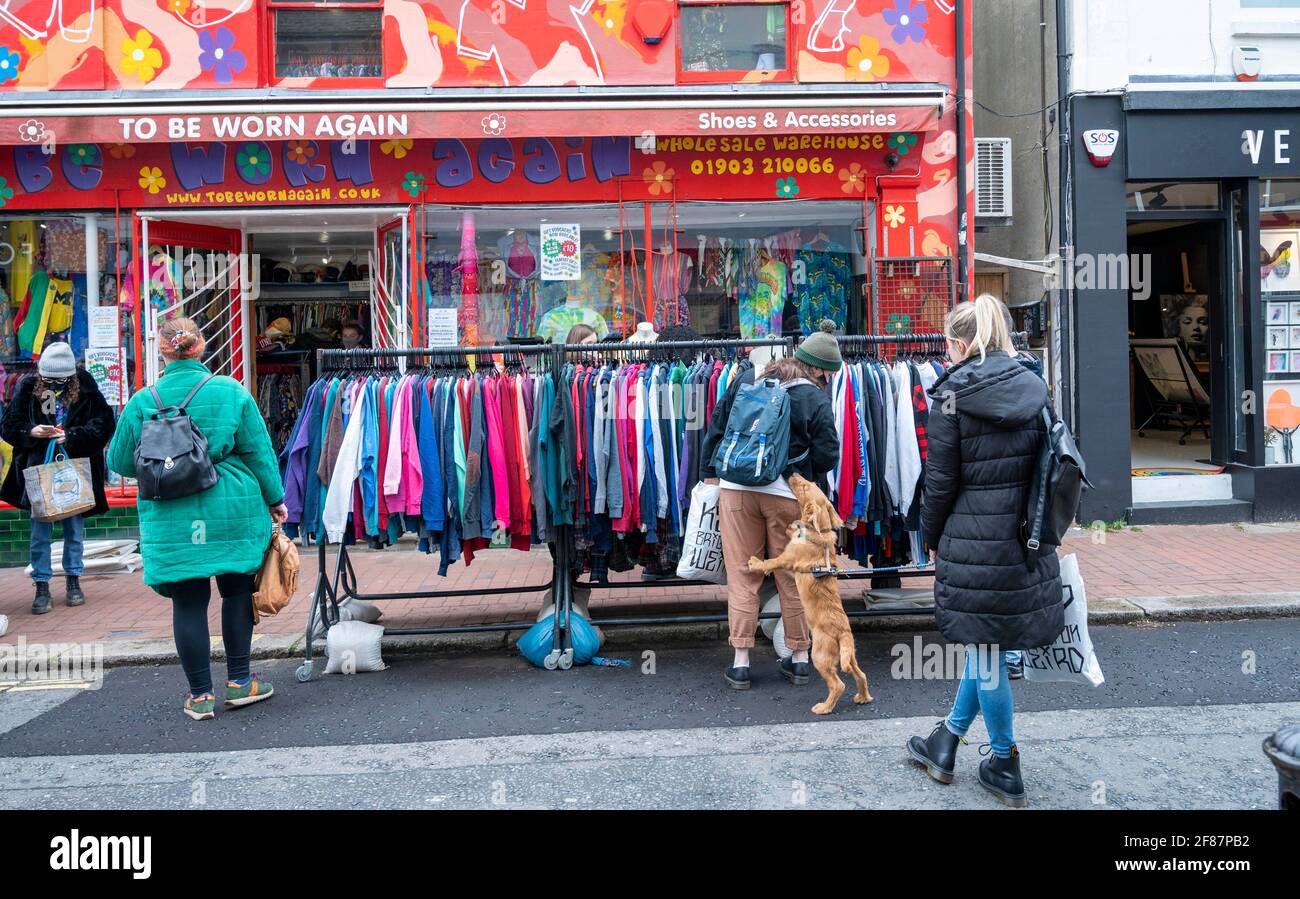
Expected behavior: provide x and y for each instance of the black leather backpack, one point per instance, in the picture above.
(1054, 492)
(171, 460)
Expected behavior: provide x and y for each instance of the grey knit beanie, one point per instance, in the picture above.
(57, 361)
(820, 349)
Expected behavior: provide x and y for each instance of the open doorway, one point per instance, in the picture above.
(1172, 319)
(270, 287)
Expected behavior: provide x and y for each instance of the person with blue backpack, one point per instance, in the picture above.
(761, 432)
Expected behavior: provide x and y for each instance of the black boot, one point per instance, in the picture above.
(738, 678)
(937, 752)
(1001, 777)
(75, 596)
(796, 673)
(41, 604)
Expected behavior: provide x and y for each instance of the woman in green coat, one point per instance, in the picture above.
(221, 532)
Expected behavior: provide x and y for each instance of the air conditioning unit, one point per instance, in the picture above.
(993, 177)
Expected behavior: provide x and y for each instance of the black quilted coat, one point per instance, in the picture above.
(985, 432)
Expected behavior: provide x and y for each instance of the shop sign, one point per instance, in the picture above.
(1245, 143)
(561, 252)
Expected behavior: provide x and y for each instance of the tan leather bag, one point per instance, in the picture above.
(277, 579)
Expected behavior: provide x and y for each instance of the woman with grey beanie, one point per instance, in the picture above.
(62, 405)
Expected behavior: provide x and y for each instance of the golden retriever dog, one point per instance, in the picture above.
(813, 545)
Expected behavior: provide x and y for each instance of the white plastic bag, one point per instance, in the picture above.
(1070, 657)
(702, 543)
(353, 647)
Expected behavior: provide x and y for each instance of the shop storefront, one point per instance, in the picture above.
(1184, 350)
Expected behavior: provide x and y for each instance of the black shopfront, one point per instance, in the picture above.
(1181, 370)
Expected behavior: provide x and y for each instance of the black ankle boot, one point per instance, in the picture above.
(1001, 777)
(74, 593)
(796, 673)
(41, 604)
(937, 752)
(738, 678)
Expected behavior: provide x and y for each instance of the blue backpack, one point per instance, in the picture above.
(755, 448)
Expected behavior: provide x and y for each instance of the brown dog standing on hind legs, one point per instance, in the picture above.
(813, 545)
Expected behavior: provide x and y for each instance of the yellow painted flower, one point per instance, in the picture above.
(659, 178)
(151, 179)
(397, 148)
(865, 61)
(894, 216)
(180, 7)
(139, 57)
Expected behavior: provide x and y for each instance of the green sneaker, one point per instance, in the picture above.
(200, 708)
(254, 691)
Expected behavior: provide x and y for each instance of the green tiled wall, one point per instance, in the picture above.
(120, 523)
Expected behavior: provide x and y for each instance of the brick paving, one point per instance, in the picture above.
(1142, 562)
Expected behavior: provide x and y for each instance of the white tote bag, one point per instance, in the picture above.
(702, 544)
(1070, 657)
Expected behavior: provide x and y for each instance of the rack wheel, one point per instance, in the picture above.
(303, 673)
(566, 660)
(552, 660)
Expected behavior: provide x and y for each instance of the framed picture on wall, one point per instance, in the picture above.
(1279, 338)
(1295, 337)
(1277, 257)
(1279, 362)
(1295, 361)
(1281, 421)
(1295, 313)
(1278, 314)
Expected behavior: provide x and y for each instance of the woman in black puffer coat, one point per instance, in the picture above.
(991, 593)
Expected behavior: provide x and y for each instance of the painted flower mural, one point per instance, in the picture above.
(787, 188)
(899, 323)
(908, 19)
(151, 179)
(901, 144)
(894, 216)
(413, 184)
(140, 57)
(32, 130)
(6, 192)
(217, 54)
(853, 179)
(10, 62)
(301, 151)
(84, 154)
(494, 124)
(253, 162)
(865, 61)
(121, 151)
(397, 148)
(658, 178)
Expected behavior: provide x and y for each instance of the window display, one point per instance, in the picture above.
(746, 270)
(727, 37)
(1279, 281)
(328, 43)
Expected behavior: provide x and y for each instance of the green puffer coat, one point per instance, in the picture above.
(222, 530)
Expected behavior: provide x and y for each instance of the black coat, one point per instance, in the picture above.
(812, 429)
(88, 429)
(985, 432)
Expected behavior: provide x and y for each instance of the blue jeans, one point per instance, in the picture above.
(74, 542)
(984, 688)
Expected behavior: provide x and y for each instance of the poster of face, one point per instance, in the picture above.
(1278, 272)
(1282, 420)
(1188, 316)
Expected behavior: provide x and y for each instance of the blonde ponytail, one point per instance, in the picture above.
(981, 325)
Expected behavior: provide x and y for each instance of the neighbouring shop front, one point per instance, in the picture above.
(282, 234)
(1184, 329)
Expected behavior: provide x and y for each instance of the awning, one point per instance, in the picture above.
(266, 119)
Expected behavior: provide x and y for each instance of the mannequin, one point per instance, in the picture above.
(556, 323)
(645, 333)
(520, 254)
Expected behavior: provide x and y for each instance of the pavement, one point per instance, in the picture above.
(1177, 724)
(1131, 574)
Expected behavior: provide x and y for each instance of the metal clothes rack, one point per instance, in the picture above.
(342, 584)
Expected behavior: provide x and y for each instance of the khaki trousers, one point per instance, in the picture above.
(754, 524)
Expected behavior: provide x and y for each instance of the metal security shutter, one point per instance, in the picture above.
(993, 177)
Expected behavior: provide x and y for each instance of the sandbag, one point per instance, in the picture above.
(353, 647)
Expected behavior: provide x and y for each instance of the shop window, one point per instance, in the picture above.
(56, 275)
(723, 269)
(326, 41)
(1279, 279)
(724, 41)
(1172, 196)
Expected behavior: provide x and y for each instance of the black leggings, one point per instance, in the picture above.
(190, 625)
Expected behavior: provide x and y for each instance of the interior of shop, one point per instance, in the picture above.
(724, 269)
(1170, 385)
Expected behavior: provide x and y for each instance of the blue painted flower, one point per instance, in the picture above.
(908, 19)
(217, 54)
(9, 62)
